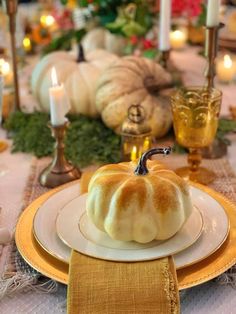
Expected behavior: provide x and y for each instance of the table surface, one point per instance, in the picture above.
(14, 171)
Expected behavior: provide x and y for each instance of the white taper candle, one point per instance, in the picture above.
(164, 27)
(59, 103)
(213, 13)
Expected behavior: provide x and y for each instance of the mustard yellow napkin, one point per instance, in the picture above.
(98, 286)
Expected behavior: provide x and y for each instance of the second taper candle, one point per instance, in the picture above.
(59, 103)
(213, 13)
(164, 27)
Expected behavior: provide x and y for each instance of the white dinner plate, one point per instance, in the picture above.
(215, 230)
(77, 231)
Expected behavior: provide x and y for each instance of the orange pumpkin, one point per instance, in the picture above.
(40, 35)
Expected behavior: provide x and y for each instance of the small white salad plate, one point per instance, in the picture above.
(215, 229)
(76, 230)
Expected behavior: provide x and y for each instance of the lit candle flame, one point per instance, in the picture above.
(178, 38)
(133, 156)
(54, 77)
(47, 20)
(178, 34)
(27, 44)
(4, 67)
(228, 62)
(146, 144)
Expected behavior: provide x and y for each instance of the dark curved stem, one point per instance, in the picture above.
(142, 165)
(81, 56)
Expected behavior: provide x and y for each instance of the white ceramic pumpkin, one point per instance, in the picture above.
(79, 78)
(134, 80)
(139, 203)
(100, 38)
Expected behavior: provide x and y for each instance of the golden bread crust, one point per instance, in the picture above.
(138, 207)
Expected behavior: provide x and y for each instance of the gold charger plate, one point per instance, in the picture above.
(190, 276)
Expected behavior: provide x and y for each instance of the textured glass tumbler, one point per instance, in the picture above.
(195, 119)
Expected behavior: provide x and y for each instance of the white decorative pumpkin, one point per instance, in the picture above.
(139, 203)
(100, 38)
(79, 78)
(134, 80)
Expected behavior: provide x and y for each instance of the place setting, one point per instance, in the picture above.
(61, 224)
(119, 141)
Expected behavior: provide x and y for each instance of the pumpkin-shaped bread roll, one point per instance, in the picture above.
(138, 202)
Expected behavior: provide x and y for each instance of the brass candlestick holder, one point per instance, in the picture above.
(59, 171)
(11, 10)
(164, 59)
(211, 47)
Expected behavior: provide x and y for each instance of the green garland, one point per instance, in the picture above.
(88, 141)
(63, 41)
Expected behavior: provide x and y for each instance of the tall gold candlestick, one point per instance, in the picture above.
(11, 10)
(211, 48)
(59, 171)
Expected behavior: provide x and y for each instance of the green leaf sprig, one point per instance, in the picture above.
(88, 141)
(225, 126)
(30, 133)
(63, 41)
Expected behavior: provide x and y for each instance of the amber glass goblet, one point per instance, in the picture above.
(195, 119)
